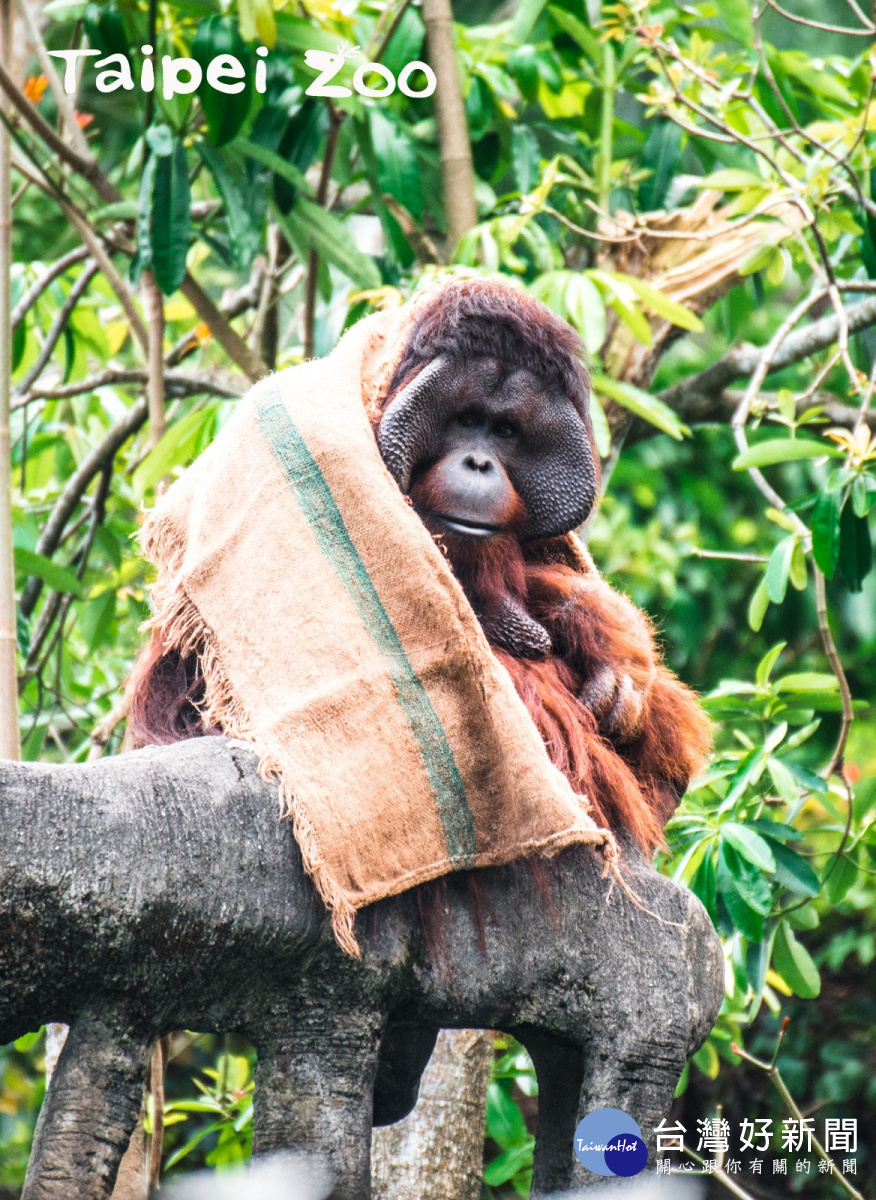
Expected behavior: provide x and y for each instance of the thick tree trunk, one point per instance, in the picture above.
(437, 1152)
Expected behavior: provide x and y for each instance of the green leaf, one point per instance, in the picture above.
(22, 632)
(526, 14)
(505, 1123)
(175, 448)
(765, 666)
(244, 217)
(663, 305)
(525, 156)
(805, 917)
(732, 179)
(280, 166)
(736, 15)
(782, 450)
(28, 1040)
(774, 830)
(779, 568)
(707, 1060)
(704, 884)
(749, 844)
(308, 227)
(757, 961)
(576, 29)
(507, 1164)
(59, 578)
(757, 606)
(96, 620)
(855, 550)
(170, 223)
(743, 916)
(398, 171)
(748, 880)
(794, 872)
(783, 779)
(826, 533)
(660, 156)
(586, 310)
(19, 343)
(142, 260)
(747, 773)
(225, 112)
(841, 879)
(634, 319)
(793, 962)
(257, 21)
(863, 494)
(797, 573)
(648, 407)
(808, 681)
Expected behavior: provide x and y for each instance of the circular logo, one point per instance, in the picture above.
(609, 1142)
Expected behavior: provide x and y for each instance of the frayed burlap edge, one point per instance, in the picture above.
(181, 627)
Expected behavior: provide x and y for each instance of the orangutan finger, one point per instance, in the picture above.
(599, 692)
(625, 714)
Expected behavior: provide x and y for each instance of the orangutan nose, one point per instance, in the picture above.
(479, 462)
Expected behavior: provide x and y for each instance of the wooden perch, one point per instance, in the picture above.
(158, 891)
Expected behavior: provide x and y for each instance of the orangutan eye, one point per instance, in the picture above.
(466, 420)
(504, 429)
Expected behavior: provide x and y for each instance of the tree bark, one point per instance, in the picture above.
(445, 1132)
(457, 172)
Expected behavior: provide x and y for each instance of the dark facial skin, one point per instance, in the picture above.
(483, 450)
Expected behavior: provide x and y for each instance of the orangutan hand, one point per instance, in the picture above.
(616, 702)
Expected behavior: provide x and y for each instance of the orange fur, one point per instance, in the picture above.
(633, 785)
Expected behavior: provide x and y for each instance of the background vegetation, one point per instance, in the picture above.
(165, 253)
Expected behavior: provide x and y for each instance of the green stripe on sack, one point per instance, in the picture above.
(315, 498)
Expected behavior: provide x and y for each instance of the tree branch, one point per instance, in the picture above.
(176, 385)
(228, 338)
(51, 273)
(105, 450)
(83, 165)
(62, 316)
(697, 394)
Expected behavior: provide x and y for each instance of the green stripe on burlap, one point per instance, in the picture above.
(314, 496)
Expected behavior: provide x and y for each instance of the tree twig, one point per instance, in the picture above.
(49, 275)
(83, 165)
(176, 384)
(56, 329)
(105, 450)
(228, 338)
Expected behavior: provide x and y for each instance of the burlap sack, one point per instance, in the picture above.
(334, 637)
